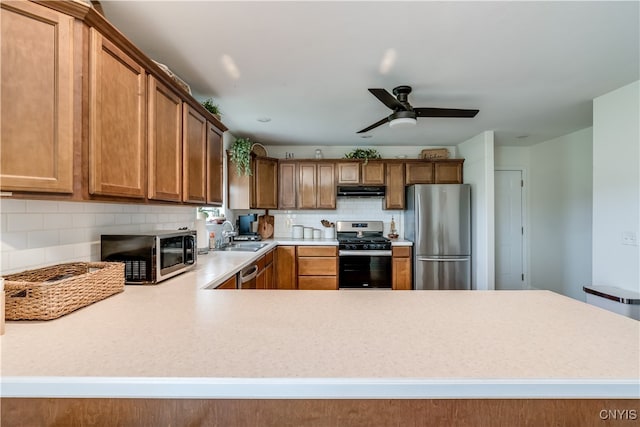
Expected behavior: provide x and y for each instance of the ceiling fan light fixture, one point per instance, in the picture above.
(402, 122)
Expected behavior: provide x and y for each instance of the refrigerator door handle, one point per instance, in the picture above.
(443, 259)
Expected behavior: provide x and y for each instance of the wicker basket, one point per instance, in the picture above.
(50, 292)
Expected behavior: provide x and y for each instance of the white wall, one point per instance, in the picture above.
(338, 151)
(559, 214)
(616, 187)
(478, 171)
(35, 233)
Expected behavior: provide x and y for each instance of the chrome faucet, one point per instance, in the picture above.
(228, 234)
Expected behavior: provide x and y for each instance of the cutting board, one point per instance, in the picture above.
(265, 226)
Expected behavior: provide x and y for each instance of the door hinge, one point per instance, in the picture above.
(522, 183)
(522, 277)
(522, 230)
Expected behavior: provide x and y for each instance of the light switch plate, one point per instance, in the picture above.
(629, 238)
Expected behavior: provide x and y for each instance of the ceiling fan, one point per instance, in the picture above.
(404, 114)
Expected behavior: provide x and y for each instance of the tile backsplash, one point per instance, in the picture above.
(36, 233)
(346, 209)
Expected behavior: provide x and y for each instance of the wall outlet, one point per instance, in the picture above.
(629, 238)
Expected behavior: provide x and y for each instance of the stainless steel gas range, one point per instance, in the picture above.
(364, 255)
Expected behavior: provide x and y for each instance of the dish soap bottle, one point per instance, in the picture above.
(393, 230)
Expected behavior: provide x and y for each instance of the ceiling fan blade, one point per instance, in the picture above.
(445, 112)
(387, 99)
(375, 125)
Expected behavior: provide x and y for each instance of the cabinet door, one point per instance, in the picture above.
(448, 172)
(326, 186)
(194, 151)
(164, 131)
(285, 267)
(36, 112)
(373, 173)
(230, 283)
(419, 173)
(117, 109)
(265, 184)
(307, 186)
(349, 173)
(287, 185)
(401, 269)
(394, 179)
(214, 165)
(268, 277)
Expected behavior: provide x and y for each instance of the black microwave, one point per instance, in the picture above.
(150, 257)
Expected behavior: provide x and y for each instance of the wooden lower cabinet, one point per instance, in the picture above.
(264, 279)
(230, 283)
(285, 268)
(318, 412)
(401, 268)
(317, 267)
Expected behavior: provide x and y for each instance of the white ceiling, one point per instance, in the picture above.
(531, 68)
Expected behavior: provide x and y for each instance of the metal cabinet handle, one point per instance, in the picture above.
(444, 259)
(250, 276)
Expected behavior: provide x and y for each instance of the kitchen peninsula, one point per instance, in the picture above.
(161, 354)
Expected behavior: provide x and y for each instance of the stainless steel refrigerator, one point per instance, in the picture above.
(438, 222)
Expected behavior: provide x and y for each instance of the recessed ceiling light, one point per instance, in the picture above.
(366, 136)
(264, 119)
(522, 136)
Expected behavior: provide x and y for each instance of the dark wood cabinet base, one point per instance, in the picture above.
(307, 412)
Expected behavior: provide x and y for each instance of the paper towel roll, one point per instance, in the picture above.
(203, 235)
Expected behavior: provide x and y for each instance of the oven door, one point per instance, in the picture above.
(365, 269)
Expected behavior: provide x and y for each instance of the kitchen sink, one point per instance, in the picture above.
(242, 247)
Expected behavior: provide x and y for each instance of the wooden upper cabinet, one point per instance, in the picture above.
(264, 191)
(316, 185)
(307, 185)
(256, 191)
(214, 165)
(287, 180)
(194, 152)
(348, 173)
(419, 172)
(448, 171)
(164, 131)
(373, 173)
(394, 180)
(36, 122)
(117, 109)
(326, 186)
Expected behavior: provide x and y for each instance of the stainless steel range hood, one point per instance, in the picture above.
(361, 191)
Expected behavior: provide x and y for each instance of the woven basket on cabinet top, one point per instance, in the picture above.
(51, 292)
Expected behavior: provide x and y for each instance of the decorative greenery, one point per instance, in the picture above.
(211, 107)
(241, 155)
(363, 153)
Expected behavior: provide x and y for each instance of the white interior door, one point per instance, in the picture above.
(509, 229)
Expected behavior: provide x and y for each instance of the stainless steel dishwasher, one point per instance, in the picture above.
(247, 277)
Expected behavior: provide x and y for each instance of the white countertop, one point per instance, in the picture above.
(177, 339)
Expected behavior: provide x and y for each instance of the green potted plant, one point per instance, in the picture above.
(212, 107)
(241, 155)
(363, 153)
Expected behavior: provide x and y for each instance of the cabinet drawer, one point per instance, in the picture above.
(318, 282)
(261, 263)
(401, 251)
(317, 266)
(317, 250)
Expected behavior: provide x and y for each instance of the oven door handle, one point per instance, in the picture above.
(364, 252)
